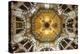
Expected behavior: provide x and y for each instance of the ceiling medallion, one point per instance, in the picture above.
(46, 25)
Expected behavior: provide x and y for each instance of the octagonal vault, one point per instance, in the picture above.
(46, 25)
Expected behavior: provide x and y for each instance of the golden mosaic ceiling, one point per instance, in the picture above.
(46, 25)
